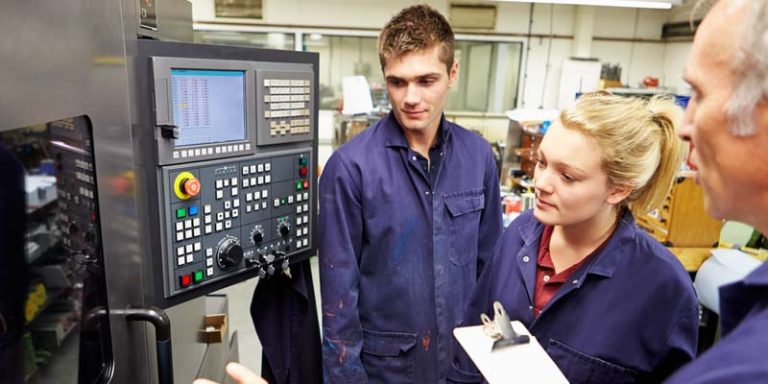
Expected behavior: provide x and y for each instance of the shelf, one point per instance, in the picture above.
(52, 295)
(34, 212)
(62, 361)
(41, 250)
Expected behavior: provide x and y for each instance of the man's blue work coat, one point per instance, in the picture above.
(398, 257)
(741, 356)
(629, 314)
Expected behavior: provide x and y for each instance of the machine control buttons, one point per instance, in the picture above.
(217, 214)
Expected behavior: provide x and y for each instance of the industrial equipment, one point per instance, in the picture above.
(163, 171)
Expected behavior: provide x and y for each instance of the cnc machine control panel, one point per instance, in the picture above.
(226, 215)
(236, 147)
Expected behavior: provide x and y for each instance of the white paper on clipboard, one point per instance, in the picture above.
(524, 363)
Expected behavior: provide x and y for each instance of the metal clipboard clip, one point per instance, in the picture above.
(500, 329)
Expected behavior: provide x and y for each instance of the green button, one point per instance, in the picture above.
(282, 201)
(298, 185)
(181, 212)
(198, 276)
(303, 161)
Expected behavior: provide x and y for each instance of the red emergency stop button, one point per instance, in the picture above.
(303, 171)
(191, 186)
(186, 185)
(185, 280)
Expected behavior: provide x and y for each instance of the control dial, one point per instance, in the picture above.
(229, 254)
(284, 229)
(257, 235)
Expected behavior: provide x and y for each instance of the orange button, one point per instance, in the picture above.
(191, 186)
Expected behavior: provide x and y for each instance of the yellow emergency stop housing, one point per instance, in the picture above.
(178, 184)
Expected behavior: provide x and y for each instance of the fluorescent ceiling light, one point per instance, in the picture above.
(604, 3)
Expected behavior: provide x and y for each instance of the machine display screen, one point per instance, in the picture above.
(208, 105)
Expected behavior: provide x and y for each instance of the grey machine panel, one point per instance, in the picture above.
(235, 158)
(247, 210)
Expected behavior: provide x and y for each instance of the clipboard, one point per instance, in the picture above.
(524, 363)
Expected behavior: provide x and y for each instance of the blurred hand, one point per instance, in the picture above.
(238, 373)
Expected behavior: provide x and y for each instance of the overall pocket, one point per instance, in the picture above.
(388, 356)
(579, 367)
(465, 209)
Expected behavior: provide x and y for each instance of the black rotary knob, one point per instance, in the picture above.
(257, 236)
(230, 254)
(284, 229)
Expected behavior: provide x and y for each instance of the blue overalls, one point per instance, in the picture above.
(741, 356)
(629, 314)
(400, 251)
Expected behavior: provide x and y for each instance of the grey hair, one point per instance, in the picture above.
(750, 67)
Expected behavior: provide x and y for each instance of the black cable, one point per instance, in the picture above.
(549, 53)
(527, 50)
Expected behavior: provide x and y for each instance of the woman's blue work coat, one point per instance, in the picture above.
(399, 256)
(629, 314)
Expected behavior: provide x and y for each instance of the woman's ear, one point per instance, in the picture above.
(618, 194)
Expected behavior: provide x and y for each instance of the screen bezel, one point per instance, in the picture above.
(241, 74)
(167, 150)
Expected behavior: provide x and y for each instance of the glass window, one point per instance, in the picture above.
(488, 77)
(55, 254)
(270, 40)
(342, 56)
(488, 80)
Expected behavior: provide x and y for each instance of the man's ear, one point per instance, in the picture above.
(453, 74)
(761, 115)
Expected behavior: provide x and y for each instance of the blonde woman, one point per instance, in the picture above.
(607, 302)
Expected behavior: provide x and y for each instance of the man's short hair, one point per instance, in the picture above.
(749, 65)
(416, 29)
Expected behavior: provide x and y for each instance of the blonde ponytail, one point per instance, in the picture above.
(666, 115)
(640, 147)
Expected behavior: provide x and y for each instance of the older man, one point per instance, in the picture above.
(727, 122)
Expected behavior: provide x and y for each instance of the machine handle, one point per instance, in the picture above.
(162, 324)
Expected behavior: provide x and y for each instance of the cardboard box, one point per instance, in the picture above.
(214, 328)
